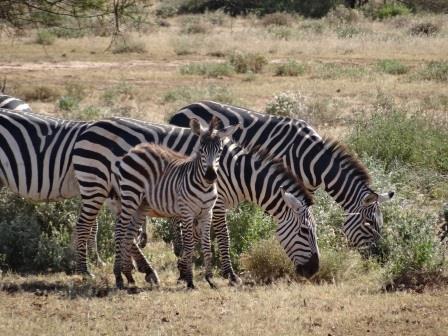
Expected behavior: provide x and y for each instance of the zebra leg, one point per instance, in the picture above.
(86, 219)
(222, 235)
(185, 264)
(142, 263)
(204, 224)
(92, 246)
(175, 225)
(143, 235)
(126, 231)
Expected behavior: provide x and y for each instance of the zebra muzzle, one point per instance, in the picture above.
(210, 175)
(310, 268)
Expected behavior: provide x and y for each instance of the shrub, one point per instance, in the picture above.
(45, 37)
(267, 261)
(288, 104)
(126, 44)
(291, 68)
(347, 31)
(184, 46)
(277, 19)
(68, 103)
(167, 9)
(247, 225)
(280, 32)
(244, 63)
(336, 71)
(435, 70)
(424, 29)
(193, 25)
(119, 91)
(391, 9)
(410, 251)
(41, 93)
(396, 136)
(208, 69)
(36, 237)
(343, 15)
(393, 67)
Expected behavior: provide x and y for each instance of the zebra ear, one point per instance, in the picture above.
(385, 197)
(196, 127)
(370, 199)
(291, 200)
(227, 132)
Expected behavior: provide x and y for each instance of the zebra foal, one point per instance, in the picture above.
(156, 181)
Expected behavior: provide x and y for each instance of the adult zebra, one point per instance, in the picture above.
(35, 155)
(16, 104)
(241, 176)
(315, 161)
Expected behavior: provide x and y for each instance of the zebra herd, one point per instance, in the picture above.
(145, 169)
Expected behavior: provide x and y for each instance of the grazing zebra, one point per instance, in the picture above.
(157, 181)
(12, 103)
(315, 161)
(35, 155)
(106, 141)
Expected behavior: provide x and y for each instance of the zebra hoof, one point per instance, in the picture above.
(190, 285)
(210, 282)
(119, 282)
(234, 280)
(152, 278)
(133, 289)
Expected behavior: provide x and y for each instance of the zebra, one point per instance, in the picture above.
(106, 141)
(12, 103)
(157, 181)
(18, 105)
(312, 159)
(35, 155)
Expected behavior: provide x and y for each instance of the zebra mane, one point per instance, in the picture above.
(161, 151)
(276, 163)
(344, 155)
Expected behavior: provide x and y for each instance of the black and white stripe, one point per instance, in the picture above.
(35, 155)
(155, 180)
(316, 161)
(12, 103)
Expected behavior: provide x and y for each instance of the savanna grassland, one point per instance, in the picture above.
(380, 86)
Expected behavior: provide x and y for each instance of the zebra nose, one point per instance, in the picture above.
(210, 175)
(310, 268)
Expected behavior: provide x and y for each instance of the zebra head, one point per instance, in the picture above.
(297, 234)
(363, 224)
(210, 146)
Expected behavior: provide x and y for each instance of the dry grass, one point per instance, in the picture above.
(57, 304)
(279, 309)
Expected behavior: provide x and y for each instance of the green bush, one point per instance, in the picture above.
(291, 68)
(410, 250)
(393, 67)
(37, 237)
(396, 136)
(117, 92)
(250, 62)
(391, 9)
(45, 37)
(247, 225)
(347, 31)
(435, 70)
(207, 69)
(68, 103)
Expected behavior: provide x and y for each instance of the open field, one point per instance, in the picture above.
(343, 80)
